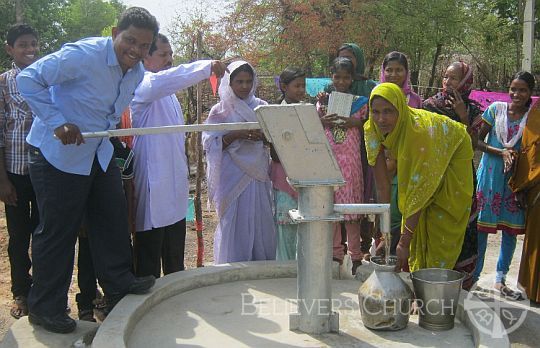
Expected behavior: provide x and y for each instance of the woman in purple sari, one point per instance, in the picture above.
(238, 181)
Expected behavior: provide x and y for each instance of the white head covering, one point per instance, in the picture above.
(251, 157)
(232, 106)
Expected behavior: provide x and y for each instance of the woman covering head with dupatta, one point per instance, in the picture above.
(434, 176)
(238, 166)
(395, 69)
(454, 102)
(361, 85)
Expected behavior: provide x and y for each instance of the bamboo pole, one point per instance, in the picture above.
(197, 202)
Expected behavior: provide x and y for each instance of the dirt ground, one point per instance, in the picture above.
(5, 280)
(519, 338)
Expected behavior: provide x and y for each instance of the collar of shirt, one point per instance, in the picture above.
(97, 81)
(15, 68)
(112, 60)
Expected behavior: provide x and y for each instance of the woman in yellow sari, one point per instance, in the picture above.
(434, 173)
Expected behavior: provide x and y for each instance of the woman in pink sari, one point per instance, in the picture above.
(238, 181)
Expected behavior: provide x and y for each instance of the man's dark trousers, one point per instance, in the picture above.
(22, 220)
(63, 199)
(160, 246)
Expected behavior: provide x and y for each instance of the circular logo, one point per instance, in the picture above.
(493, 313)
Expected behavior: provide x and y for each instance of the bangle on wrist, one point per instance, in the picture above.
(406, 230)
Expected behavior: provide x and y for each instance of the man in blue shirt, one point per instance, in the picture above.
(83, 87)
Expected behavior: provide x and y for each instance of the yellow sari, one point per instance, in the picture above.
(434, 175)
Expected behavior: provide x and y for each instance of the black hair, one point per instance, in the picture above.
(399, 57)
(159, 37)
(138, 17)
(289, 74)
(527, 77)
(342, 63)
(18, 30)
(244, 67)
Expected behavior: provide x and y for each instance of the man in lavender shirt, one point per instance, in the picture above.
(160, 164)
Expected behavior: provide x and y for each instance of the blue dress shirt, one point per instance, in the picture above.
(83, 84)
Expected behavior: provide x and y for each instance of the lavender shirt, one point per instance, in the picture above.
(160, 167)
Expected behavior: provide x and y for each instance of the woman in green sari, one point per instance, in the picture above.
(434, 174)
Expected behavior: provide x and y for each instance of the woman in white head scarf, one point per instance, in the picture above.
(238, 181)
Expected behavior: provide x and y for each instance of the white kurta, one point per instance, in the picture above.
(160, 163)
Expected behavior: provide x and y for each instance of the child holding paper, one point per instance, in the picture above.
(344, 135)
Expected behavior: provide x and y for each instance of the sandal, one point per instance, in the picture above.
(87, 315)
(510, 294)
(338, 260)
(355, 265)
(19, 308)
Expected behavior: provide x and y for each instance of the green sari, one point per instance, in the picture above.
(434, 175)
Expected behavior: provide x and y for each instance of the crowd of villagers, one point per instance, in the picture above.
(394, 147)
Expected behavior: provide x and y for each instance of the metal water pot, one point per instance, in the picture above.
(384, 298)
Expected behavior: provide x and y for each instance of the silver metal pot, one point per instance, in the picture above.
(384, 298)
(437, 291)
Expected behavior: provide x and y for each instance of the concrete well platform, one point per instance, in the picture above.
(248, 305)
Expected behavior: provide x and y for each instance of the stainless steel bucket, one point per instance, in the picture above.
(437, 295)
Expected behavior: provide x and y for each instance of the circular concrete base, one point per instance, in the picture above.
(248, 305)
(255, 313)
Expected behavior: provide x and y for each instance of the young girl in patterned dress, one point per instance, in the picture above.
(344, 135)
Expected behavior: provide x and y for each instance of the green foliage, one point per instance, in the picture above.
(275, 33)
(42, 15)
(83, 18)
(60, 21)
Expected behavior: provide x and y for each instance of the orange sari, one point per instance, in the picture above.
(526, 179)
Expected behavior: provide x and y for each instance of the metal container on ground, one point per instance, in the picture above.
(384, 298)
(437, 295)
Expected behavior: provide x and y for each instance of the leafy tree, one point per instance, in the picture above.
(42, 15)
(58, 21)
(83, 18)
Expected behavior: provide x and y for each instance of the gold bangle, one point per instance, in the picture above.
(408, 229)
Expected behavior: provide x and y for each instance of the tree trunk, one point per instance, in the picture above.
(200, 169)
(519, 33)
(414, 70)
(434, 66)
(19, 11)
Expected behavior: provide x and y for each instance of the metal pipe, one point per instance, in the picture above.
(314, 254)
(361, 208)
(172, 129)
(382, 209)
